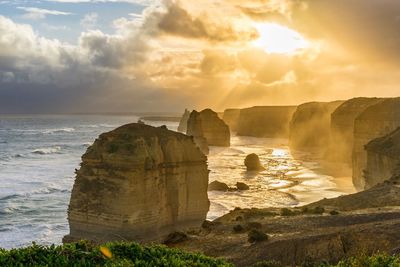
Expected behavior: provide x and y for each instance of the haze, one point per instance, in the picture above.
(149, 55)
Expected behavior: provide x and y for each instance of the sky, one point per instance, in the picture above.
(74, 56)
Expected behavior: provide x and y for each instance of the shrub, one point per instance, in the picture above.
(267, 264)
(256, 236)
(333, 212)
(287, 212)
(238, 228)
(111, 254)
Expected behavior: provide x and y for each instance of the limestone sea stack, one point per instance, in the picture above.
(342, 127)
(376, 121)
(383, 159)
(231, 117)
(138, 183)
(183, 122)
(207, 125)
(310, 125)
(272, 121)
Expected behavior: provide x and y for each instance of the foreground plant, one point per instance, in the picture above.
(110, 254)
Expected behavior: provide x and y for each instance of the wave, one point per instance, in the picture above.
(47, 150)
(60, 130)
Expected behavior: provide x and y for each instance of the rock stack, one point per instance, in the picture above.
(183, 122)
(138, 183)
(376, 121)
(206, 126)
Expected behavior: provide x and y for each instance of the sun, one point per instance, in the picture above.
(275, 38)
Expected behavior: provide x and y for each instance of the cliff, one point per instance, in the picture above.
(328, 230)
(342, 127)
(310, 125)
(272, 121)
(183, 121)
(376, 121)
(138, 183)
(207, 125)
(231, 117)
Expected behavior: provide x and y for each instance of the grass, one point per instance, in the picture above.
(110, 254)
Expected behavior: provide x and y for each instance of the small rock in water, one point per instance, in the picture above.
(253, 163)
(175, 238)
(218, 186)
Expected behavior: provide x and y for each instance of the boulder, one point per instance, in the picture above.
(206, 124)
(252, 163)
(231, 117)
(375, 121)
(383, 159)
(310, 125)
(342, 128)
(218, 186)
(138, 183)
(183, 121)
(272, 121)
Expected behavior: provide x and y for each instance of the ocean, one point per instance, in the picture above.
(39, 155)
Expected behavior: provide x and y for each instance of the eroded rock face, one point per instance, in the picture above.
(138, 183)
(376, 121)
(342, 127)
(183, 122)
(231, 117)
(207, 125)
(270, 121)
(383, 159)
(310, 125)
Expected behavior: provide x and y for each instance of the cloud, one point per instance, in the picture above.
(89, 21)
(35, 13)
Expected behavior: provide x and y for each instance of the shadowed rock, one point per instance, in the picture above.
(270, 121)
(252, 163)
(206, 124)
(218, 186)
(342, 127)
(138, 183)
(376, 121)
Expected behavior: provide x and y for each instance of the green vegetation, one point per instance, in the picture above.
(378, 260)
(256, 236)
(111, 254)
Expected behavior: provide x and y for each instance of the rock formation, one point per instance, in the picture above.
(376, 121)
(218, 186)
(383, 159)
(207, 125)
(270, 121)
(138, 183)
(310, 125)
(342, 127)
(183, 122)
(231, 117)
(252, 163)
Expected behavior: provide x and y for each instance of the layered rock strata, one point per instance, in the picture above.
(383, 159)
(231, 117)
(342, 128)
(310, 125)
(376, 121)
(207, 125)
(138, 183)
(272, 121)
(183, 121)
